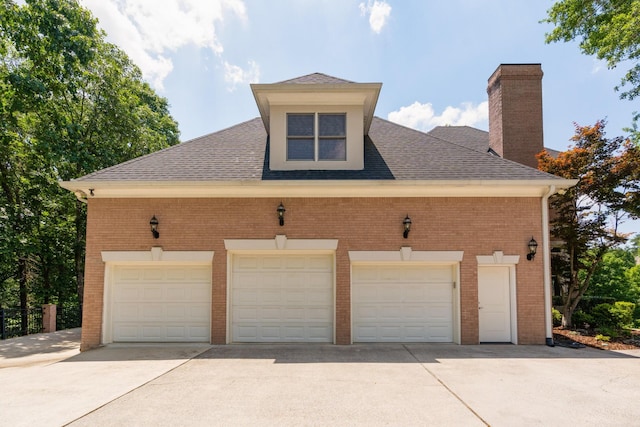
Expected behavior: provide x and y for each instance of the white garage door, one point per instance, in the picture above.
(161, 304)
(282, 298)
(402, 303)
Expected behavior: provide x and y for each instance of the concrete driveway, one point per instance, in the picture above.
(286, 385)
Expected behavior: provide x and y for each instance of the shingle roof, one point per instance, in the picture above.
(316, 78)
(392, 152)
(469, 137)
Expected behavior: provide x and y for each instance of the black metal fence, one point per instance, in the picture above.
(16, 322)
(68, 316)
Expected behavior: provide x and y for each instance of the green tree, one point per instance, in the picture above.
(70, 103)
(607, 29)
(587, 216)
(611, 278)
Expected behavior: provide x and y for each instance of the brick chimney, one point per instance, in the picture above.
(515, 112)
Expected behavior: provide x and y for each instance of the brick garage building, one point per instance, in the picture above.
(319, 222)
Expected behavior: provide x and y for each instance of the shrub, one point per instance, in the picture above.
(557, 317)
(601, 337)
(622, 314)
(616, 316)
(602, 316)
(589, 302)
(580, 318)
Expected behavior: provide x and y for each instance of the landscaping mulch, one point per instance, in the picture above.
(588, 338)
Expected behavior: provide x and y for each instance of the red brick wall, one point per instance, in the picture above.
(477, 226)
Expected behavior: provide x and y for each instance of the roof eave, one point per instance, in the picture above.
(334, 188)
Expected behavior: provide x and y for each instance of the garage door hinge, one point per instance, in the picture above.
(454, 285)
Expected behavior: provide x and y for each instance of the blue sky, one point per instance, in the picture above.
(433, 57)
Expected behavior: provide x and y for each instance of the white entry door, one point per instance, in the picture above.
(282, 298)
(494, 304)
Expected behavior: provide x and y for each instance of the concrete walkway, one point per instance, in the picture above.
(294, 385)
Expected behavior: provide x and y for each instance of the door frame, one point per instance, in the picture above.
(279, 245)
(499, 259)
(154, 257)
(405, 256)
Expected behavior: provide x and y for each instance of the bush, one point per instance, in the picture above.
(589, 302)
(580, 318)
(601, 316)
(616, 316)
(622, 314)
(557, 317)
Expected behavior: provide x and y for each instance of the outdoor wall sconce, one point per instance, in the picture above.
(281, 210)
(533, 248)
(154, 227)
(407, 226)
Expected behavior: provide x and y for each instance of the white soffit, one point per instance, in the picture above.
(276, 188)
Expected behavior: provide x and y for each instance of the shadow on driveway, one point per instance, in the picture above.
(399, 353)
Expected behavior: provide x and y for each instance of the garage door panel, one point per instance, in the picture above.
(412, 303)
(439, 292)
(282, 298)
(152, 274)
(318, 314)
(126, 294)
(295, 263)
(152, 333)
(161, 303)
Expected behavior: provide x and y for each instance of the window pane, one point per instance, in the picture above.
(332, 124)
(332, 149)
(300, 125)
(300, 149)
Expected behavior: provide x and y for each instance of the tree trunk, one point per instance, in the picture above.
(567, 315)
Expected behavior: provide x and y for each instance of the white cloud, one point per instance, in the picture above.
(148, 30)
(235, 75)
(379, 12)
(423, 117)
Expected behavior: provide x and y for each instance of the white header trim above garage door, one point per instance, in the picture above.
(280, 242)
(498, 257)
(157, 254)
(406, 254)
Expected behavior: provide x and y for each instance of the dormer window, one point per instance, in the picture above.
(317, 137)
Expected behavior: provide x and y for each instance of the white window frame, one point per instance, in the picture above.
(316, 137)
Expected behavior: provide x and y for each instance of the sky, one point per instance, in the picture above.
(433, 57)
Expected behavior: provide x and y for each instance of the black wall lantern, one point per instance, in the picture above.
(154, 227)
(533, 248)
(407, 226)
(281, 210)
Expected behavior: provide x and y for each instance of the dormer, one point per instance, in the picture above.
(316, 122)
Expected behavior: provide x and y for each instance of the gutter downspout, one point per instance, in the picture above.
(546, 259)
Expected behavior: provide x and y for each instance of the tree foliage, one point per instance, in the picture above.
(70, 104)
(586, 218)
(608, 29)
(613, 277)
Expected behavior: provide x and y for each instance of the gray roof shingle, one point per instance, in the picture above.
(466, 136)
(316, 78)
(392, 152)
